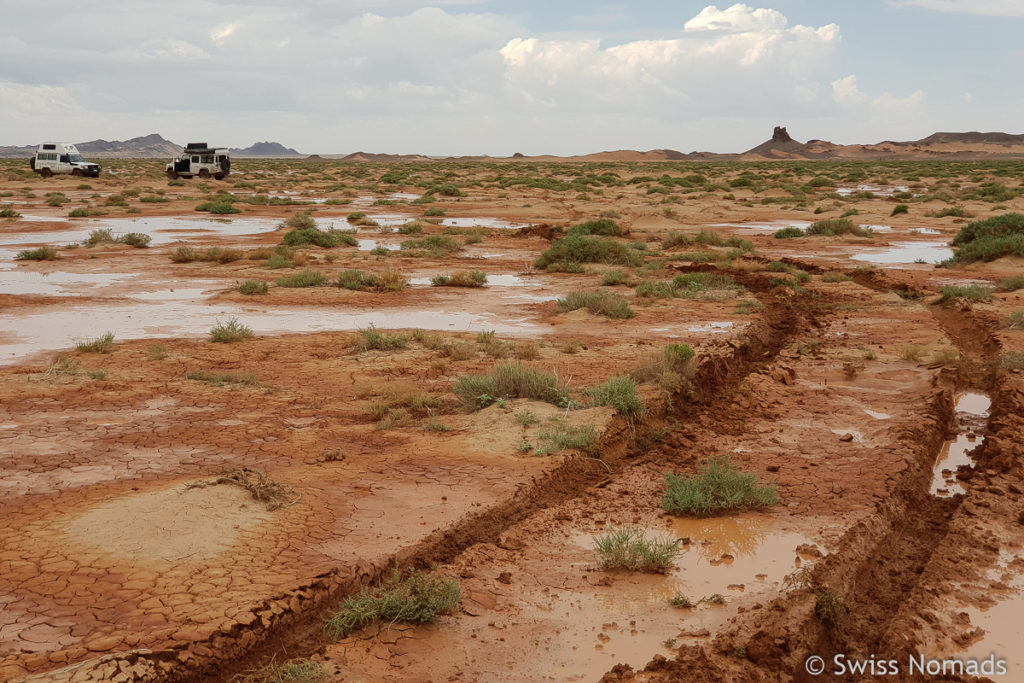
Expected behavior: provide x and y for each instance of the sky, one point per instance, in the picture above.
(495, 77)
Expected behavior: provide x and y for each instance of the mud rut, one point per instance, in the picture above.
(878, 563)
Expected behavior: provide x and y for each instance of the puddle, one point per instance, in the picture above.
(57, 283)
(42, 219)
(61, 329)
(162, 229)
(878, 416)
(876, 228)
(908, 252)
(467, 222)
(971, 417)
(716, 326)
(877, 190)
(764, 225)
(370, 245)
(501, 280)
(1004, 630)
(924, 231)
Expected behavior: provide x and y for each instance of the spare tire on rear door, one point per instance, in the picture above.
(32, 163)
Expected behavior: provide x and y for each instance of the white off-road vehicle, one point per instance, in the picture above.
(198, 159)
(61, 157)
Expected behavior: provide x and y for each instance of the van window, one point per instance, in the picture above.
(195, 160)
(208, 159)
(49, 146)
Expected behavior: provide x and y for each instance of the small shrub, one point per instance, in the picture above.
(44, 253)
(602, 226)
(968, 292)
(1011, 284)
(253, 287)
(8, 211)
(104, 344)
(460, 278)
(417, 598)
(837, 226)
(629, 548)
(511, 380)
(900, 208)
(586, 249)
(526, 417)
(219, 206)
(98, 373)
(615, 277)
(290, 671)
(913, 353)
(1014, 321)
(221, 379)
(719, 486)
(526, 350)
(835, 276)
(230, 332)
(100, 236)
(619, 393)
(788, 233)
(830, 609)
(303, 236)
(278, 261)
(603, 303)
(139, 240)
(354, 279)
(304, 278)
(156, 352)
(184, 255)
(1012, 360)
(566, 437)
(434, 211)
(680, 601)
(372, 339)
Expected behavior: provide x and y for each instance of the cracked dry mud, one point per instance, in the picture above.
(113, 566)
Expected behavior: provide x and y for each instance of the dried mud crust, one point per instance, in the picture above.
(909, 569)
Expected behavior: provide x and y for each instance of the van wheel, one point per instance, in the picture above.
(218, 176)
(171, 175)
(46, 173)
(204, 174)
(77, 172)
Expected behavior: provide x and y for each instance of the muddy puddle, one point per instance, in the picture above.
(763, 225)
(970, 418)
(877, 190)
(481, 222)
(162, 230)
(163, 317)
(1001, 622)
(907, 252)
(500, 280)
(370, 245)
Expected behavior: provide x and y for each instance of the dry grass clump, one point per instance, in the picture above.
(671, 367)
(262, 488)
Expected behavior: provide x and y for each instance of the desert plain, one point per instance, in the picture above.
(227, 407)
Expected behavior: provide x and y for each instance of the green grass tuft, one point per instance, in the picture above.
(417, 598)
(103, 344)
(718, 487)
(604, 303)
(629, 548)
(230, 332)
(619, 393)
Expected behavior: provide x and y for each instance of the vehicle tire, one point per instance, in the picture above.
(171, 175)
(46, 173)
(218, 176)
(32, 163)
(204, 174)
(76, 172)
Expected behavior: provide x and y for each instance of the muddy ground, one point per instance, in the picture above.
(890, 424)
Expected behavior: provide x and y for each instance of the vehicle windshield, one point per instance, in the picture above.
(75, 158)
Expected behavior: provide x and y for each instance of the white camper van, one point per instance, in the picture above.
(198, 159)
(61, 157)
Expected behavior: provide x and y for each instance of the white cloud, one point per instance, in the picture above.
(219, 35)
(889, 102)
(738, 57)
(988, 8)
(736, 19)
(845, 91)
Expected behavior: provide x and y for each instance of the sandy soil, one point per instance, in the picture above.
(122, 560)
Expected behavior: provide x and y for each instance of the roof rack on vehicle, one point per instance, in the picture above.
(196, 145)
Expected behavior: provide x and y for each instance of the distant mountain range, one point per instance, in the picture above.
(781, 146)
(151, 146)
